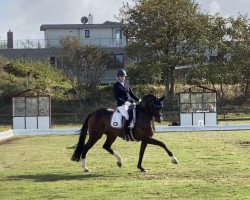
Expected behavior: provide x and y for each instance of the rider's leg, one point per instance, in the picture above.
(127, 129)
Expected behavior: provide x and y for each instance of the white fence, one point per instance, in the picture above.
(159, 129)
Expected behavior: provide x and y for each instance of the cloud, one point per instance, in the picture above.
(214, 8)
(24, 17)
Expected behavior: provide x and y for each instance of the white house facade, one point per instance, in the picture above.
(108, 36)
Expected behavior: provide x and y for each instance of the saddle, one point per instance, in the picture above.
(118, 119)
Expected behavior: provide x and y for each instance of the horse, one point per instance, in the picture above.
(98, 123)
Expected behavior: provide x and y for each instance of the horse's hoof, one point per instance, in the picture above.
(143, 170)
(119, 164)
(86, 170)
(174, 160)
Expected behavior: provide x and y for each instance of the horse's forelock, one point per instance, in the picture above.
(151, 98)
(148, 100)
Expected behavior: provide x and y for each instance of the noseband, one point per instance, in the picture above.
(158, 105)
(155, 106)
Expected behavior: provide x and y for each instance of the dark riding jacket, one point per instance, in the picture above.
(123, 93)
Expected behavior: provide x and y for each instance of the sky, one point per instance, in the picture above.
(24, 17)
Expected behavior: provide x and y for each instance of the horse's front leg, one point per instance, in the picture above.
(161, 144)
(142, 150)
(107, 146)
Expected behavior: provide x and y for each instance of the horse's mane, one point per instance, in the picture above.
(147, 96)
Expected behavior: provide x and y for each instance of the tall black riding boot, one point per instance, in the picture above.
(127, 130)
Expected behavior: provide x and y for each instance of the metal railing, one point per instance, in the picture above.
(42, 43)
(24, 44)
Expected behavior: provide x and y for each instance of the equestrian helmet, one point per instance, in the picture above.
(121, 73)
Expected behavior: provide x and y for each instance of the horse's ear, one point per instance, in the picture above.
(161, 98)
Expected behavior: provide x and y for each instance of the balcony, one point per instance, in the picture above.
(24, 44)
(41, 43)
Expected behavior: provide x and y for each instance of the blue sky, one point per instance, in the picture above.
(24, 17)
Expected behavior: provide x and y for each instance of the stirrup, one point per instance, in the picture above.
(128, 136)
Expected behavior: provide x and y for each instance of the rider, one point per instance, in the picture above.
(124, 96)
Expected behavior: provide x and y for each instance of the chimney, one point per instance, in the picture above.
(90, 19)
(10, 39)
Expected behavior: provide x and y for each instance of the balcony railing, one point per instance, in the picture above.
(24, 44)
(41, 43)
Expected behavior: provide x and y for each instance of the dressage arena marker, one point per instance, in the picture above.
(159, 129)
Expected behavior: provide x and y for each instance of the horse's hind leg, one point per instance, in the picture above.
(85, 150)
(107, 146)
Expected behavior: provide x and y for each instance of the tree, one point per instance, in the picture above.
(144, 74)
(165, 34)
(229, 50)
(84, 66)
(216, 69)
(22, 74)
(239, 33)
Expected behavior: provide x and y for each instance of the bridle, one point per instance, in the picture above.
(158, 105)
(155, 107)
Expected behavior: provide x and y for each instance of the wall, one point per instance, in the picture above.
(104, 37)
(45, 55)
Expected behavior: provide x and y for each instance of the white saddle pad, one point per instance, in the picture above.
(117, 120)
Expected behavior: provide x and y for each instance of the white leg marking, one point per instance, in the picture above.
(174, 159)
(119, 158)
(83, 165)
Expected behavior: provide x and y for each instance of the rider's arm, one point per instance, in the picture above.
(131, 93)
(117, 94)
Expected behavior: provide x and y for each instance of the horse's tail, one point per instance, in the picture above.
(79, 146)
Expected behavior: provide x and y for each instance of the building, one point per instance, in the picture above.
(108, 36)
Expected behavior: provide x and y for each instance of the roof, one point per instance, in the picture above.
(198, 89)
(107, 24)
(29, 92)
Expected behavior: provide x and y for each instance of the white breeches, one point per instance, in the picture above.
(124, 111)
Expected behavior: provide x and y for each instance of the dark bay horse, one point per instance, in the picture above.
(98, 123)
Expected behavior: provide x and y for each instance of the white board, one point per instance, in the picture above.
(211, 119)
(186, 119)
(43, 122)
(31, 122)
(198, 119)
(18, 122)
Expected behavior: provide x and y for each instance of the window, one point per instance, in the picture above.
(118, 34)
(198, 102)
(116, 61)
(118, 38)
(213, 58)
(87, 34)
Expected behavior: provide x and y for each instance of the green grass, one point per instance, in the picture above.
(5, 127)
(234, 122)
(212, 165)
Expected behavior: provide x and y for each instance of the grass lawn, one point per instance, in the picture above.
(5, 127)
(212, 165)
